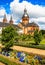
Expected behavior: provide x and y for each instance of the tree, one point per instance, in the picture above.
(8, 35)
(37, 37)
(23, 37)
(43, 32)
(28, 37)
(40, 36)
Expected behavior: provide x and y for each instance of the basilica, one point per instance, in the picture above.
(27, 28)
(24, 26)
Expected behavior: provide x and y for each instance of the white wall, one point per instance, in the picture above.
(0, 30)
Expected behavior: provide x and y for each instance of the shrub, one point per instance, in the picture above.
(31, 45)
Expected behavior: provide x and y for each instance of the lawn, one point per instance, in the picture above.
(6, 61)
(31, 44)
(43, 41)
(31, 41)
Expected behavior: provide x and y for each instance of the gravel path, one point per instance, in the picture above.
(30, 50)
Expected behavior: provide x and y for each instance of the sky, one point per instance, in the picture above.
(35, 10)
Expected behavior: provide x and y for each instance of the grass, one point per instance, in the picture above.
(31, 41)
(7, 61)
(43, 41)
(31, 44)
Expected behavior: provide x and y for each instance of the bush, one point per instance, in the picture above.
(31, 45)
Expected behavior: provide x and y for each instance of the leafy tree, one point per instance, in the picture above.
(23, 37)
(43, 32)
(44, 36)
(37, 37)
(40, 36)
(8, 35)
(28, 37)
(17, 38)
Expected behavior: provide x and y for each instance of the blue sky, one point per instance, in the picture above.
(35, 9)
(6, 3)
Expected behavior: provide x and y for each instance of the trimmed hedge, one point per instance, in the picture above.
(31, 45)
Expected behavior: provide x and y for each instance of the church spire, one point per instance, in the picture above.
(25, 13)
(4, 19)
(11, 20)
(25, 17)
(4, 16)
(25, 10)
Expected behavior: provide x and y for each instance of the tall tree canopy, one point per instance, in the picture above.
(43, 32)
(37, 37)
(8, 35)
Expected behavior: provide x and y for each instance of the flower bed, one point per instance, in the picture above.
(23, 57)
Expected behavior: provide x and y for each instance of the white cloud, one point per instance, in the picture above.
(42, 19)
(33, 10)
(42, 27)
(36, 12)
(2, 12)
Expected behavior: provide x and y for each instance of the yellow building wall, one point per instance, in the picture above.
(20, 25)
(25, 20)
(32, 29)
(25, 30)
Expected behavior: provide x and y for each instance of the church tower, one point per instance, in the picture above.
(25, 17)
(4, 19)
(11, 21)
